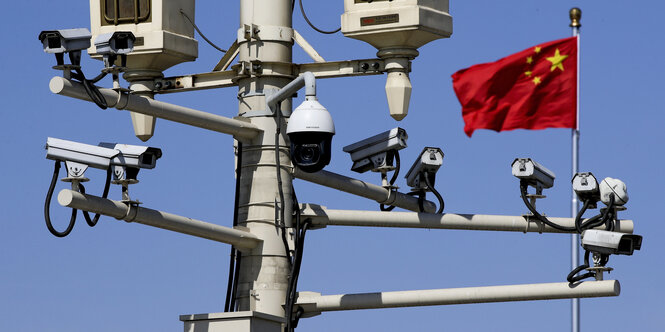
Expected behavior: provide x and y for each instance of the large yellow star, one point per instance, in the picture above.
(557, 60)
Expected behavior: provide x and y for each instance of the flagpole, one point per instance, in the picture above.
(575, 17)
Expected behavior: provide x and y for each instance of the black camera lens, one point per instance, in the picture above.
(309, 153)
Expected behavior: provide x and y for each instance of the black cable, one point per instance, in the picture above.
(442, 204)
(578, 218)
(99, 77)
(236, 200)
(523, 187)
(312, 25)
(201, 33)
(47, 203)
(92, 222)
(382, 207)
(278, 167)
(293, 281)
(92, 91)
(571, 276)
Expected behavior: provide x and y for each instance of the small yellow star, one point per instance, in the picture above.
(529, 59)
(537, 49)
(528, 73)
(536, 80)
(557, 60)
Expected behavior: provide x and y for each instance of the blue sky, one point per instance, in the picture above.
(130, 277)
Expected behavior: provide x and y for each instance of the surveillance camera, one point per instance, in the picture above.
(310, 130)
(533, 173)
(81, 156)
(134, 155)
(90, 155)
(115, 43)
(377, 151)
(586, 187)
(131, 159)
(67, 40)
(613, 187)
(610, 243)
(426, 165)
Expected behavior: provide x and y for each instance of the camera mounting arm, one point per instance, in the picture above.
(306, 80)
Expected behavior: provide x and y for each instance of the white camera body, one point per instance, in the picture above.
(377, 151)
(427, 164)
(534, 173)
(616, 187)
(310, 131)
(66, 40)
(610, 243)
(115, 43)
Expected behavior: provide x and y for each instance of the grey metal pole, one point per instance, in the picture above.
(321, 216)
(314, 303)
(364, 189)
(160, 109)
(575, 16)
(164, 220)
(265, 35)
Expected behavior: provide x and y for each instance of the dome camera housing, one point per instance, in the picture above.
(310, 130)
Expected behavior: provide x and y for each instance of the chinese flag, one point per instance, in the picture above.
(532, 89)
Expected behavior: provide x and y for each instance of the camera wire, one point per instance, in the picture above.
(523, 192)
(234, 258)
(47, 203)
(92, 222)
(201, 33)
(304, 15)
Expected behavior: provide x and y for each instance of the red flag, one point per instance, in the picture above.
(532, 89)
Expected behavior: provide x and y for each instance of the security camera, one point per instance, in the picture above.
(134, 155)
(610, 243)
(131, 159)
(535, 174)
(426, 165)
(112, 44)
(586, 187)
(377, 151)
(74, 152)
(79, 156)
(71, 41)
(613, 187)
(67, 40)
(310, 130)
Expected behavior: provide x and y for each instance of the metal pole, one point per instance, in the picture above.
(364, 189)
(314, 303)
(265, 35)
(575, 16)
(321, 216)
(172, 222)
(160, 109)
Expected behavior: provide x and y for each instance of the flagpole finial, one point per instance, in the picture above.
(575, 17)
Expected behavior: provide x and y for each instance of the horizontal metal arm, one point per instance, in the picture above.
(228, 78)
(321, 216)
(364, 189)
(314, 303)
(172, 222)
(144, 105)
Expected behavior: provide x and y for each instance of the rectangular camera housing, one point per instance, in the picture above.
(135, 156)
(376, 151)
(427, 164)
(610, 243)
(91, 155)
(534, 173)
(66, 40)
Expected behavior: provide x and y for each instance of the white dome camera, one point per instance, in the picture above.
(310, 130)
(616, 187)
